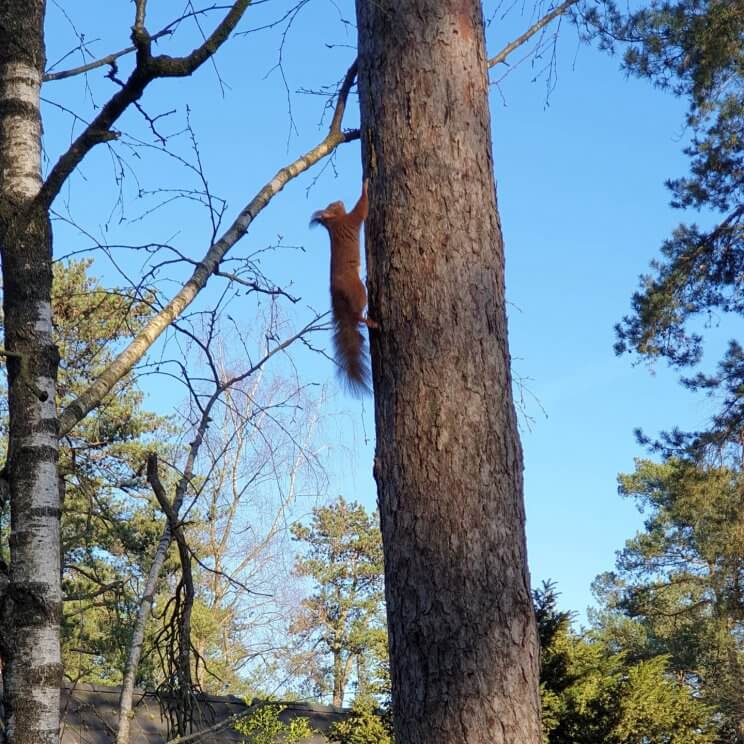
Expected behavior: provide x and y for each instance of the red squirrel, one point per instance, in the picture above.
(348, 294)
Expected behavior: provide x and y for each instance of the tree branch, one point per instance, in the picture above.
(153, 478)
(107, 60)
(123, 363)
(166, 66)
(102, 62)
(103, 589)
(139, 17)
(140, 32)
(185, 591)
(255, 286)
(530, 32)
(343, 96)
(196, 736)
(146, 70)
(172, 525)
(146, 601)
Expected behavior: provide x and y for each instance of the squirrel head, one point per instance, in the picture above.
(328, 216)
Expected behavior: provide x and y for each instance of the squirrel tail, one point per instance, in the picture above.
(351, 354)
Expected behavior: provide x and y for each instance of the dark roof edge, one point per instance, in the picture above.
(230, 699)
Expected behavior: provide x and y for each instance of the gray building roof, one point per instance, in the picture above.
(90, 715)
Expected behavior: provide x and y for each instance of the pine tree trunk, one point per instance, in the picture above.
(463, 645)
(338, 679)
(32, 602)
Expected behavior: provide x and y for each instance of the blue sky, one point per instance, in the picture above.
(580, 177)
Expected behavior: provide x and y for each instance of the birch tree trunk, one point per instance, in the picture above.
(463, 646)
(32, 600)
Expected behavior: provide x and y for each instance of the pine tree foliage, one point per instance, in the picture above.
(265, 726)
(341, 625)
(695, 49)
(592, 691)
(677, 587)
(109, 525)
(365, 725)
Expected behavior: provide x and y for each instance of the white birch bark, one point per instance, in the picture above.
(32, 600)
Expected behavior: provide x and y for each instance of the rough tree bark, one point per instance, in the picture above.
(464, 653)
(32, 600)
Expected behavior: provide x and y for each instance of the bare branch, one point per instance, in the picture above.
(124, 362)
(146, 601)
(102, 62)
(139, 17)
(180, 634)
(110, 58)
(343, 96)
(530, 32)
(147, 69)
(166, 66)
(256, 287)
(103, 589)
(153, 478)
(174, 517)
(219, 726)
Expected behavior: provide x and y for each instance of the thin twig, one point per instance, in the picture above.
(102, 62)
(147, 69)
(530, 32)
(124, 362)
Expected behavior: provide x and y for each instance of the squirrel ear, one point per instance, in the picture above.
(317, 218)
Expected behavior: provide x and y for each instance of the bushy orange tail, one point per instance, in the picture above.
(351, 354)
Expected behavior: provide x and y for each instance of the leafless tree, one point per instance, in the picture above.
(215, 466)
